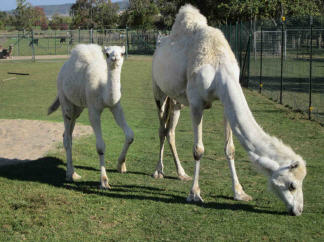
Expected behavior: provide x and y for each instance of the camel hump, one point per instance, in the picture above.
(188, 20)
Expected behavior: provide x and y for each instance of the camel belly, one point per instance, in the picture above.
(169, 73)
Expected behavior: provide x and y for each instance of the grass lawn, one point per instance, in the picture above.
(37, 204)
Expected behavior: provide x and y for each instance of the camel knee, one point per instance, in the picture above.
(101, 147)
(162, 132)
(129, 136)
(171, 136)
(67, 141)
(198, 151)
(229, 151)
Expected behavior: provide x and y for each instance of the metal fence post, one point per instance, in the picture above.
(33, 49)
(55, 41)
(261, 55)
(282, 59)
(127, 42)
(18, 45)
(236, 39)
(310, 108)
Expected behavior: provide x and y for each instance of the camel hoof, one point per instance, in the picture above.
(194, 198)
(121, 167)
(104, 183)
(243, 197)
(73, 177)
(158, 175)
(185, 177)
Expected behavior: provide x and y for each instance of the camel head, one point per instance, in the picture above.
(287, 183)
(286, 180)
(115, 55)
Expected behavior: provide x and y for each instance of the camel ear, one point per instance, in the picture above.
(123, 50)
(106, 51)
(294, 165)
(266, 163)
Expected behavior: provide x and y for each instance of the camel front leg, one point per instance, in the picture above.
(239, 193)
(129, 136)
(198, 151)
(94, 117)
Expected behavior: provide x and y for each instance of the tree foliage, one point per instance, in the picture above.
(94, 14)
(140, 14)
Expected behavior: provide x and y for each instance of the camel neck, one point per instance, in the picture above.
(242, 122)
(113, 86)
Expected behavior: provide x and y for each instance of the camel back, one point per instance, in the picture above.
(208, 45)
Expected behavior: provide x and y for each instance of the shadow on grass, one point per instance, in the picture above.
(50, 170)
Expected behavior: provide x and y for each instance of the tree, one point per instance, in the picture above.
(4, 20)
(40, 17)
(140, 14)
(23, 15)
(60, 22)
(81, 12)
(105, 14)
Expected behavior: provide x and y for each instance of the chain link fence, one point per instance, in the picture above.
(60, 42)
(283, 61)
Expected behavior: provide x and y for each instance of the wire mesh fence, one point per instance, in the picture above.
(283, 61)
(61, 42)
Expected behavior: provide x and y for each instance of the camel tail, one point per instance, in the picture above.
(55, 105)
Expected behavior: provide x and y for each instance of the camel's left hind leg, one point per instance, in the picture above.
(175, 109)
(239, 193)
(70, 114)
(129, 136)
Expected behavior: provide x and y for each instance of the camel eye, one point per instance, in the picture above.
(292, 187)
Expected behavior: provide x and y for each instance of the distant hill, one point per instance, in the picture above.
(64, 9)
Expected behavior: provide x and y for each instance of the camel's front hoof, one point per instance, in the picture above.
(121, 167)
(194, 198)
(242, 197)
(104, 183)
(158, 175)
(185, 177)
(73, 177)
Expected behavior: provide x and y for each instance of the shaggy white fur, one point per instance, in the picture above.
(195, 66)
(89, 80)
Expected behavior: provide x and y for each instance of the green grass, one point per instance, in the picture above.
(37, 204)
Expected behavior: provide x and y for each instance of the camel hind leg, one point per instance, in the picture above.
(174, 115)
(239, 193)
(70, 114)
(168, 113)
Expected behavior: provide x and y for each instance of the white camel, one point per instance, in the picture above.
(195, 66)
(85, 82)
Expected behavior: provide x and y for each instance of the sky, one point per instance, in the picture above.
(11, 4)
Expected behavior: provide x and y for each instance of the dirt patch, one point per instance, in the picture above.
(25, 140)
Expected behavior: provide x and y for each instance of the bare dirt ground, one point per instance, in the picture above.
(37, 57)
(26, 140)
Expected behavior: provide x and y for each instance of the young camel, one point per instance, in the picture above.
(195, 66)
(87, 80)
